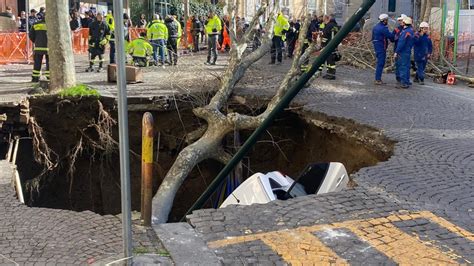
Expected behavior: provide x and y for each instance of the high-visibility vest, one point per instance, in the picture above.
(140, 48)
(157, 30)
(214, 24)
(280, 25)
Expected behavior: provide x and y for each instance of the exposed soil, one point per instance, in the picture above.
(293, 141)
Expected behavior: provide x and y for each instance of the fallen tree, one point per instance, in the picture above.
(206, 142)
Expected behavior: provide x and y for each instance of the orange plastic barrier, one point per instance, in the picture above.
(134, 33)
(13, 48)
(80, 41)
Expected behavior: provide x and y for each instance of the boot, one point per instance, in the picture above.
(90, 69)
(100, 69)
(35, 79)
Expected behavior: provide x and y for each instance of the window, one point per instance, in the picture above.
(392, 5)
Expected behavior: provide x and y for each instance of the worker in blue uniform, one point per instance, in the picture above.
(422, 52)
(403, 53)
(380, 37)
(396, 35)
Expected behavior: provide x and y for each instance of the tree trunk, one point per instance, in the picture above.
(422, 9)
(427, 13)
(61, 57)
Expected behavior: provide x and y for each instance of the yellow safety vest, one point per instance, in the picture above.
(214, 24)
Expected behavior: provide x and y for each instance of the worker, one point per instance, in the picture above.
(109, 19)
(180, 30)
(172, 43)
(403, 53)
(380, 37)
(279, 31)
(225, 34)
(423, 48)
(99, 35)
(157, 34)
(140, 50)
(396, 35)
(38, 36)
(213, 28)
(196, 32)
(189, 27)
(330, 30)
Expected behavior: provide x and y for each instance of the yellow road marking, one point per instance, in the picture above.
(300, 246)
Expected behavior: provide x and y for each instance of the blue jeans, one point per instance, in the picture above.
(420, 69)
(404, 68)
(159, 46)
(381, 56)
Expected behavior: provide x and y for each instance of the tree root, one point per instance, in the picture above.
(43, 154)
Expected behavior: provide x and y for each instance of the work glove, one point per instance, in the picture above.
(103, 42)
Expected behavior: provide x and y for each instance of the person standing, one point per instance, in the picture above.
(22, 22)
(109, 20)
(99, 35)
(380, 37)
(396, 35)
(157, 34)
(280, 29)
(196, 32)
(403, 53)
(172, 44)
(213, 28)
(330, 30)
(142, 22)
(41, 13)
(39, 37)
(291, 37)
(423, 48)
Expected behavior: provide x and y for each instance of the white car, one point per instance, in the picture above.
(316, 179)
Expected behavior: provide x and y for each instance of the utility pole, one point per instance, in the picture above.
(123, 132)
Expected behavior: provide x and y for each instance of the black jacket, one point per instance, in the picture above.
(172, 28)
(38, 37)
(329, 31)
(197, 26)
(98, 31)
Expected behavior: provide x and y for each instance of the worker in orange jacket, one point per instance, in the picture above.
(189, 26)
(225, 34)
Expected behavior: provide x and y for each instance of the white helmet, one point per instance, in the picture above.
(383, 16)
(424, 25)
(407, 20)
(402, 16)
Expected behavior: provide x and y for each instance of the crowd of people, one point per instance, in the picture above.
(158, 43)
(405, 41)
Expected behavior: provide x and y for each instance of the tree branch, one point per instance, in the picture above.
(222, 156)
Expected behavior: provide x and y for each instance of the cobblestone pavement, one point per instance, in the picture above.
(415, 208)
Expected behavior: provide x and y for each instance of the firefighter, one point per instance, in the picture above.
(172, 43)
(140, 49)
(330, 29)
(422, 51)
(99, 35)
(38, 36)
(109, 19)
(279, 30)
(380, 37)
(403, 53)
(213, 29)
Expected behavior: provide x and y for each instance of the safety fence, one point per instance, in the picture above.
(14, 49)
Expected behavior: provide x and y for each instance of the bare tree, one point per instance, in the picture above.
(61, 57)
(208, 139)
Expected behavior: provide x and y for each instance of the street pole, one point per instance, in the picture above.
(27, 4)
(443, 32)
(456, 30)
(123, 130)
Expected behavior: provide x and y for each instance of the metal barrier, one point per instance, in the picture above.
(13, 48)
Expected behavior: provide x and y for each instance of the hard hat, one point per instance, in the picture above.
(402, 16)
(407, 20)
(383, 16)
(424, 25)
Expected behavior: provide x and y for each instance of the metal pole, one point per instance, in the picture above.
(443, 32)
(27, 4)
(281, 105)
(147, 167)
(123, 130)
(456, 30)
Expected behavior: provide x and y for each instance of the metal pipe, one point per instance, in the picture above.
(15, 150)
(18, 187)
(456, 30)
(282, 104)
(147, 167)
(123, 130)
